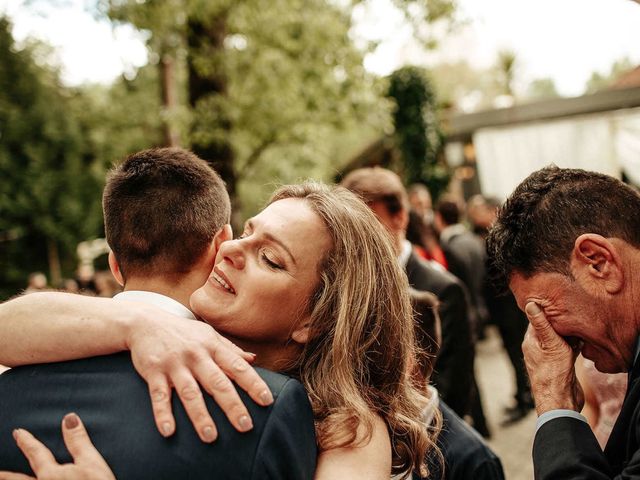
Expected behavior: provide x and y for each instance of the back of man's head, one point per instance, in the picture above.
(162, 208)
(537, 227)
(376, 184)
(449, 211)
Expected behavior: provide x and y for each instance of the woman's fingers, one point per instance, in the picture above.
(244, 375)
(248, 356)
(220, 387)
(191, 397)
(78, 442)
(160, 392)
(39, 456)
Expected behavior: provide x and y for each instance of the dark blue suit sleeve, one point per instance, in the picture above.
(287, 448)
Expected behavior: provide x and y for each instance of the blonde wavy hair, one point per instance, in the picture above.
(361, 342)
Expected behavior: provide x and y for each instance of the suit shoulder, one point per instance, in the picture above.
(464, 450)
(424, 276)
(280, 384)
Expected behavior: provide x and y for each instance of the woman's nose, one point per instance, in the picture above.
(232, 252)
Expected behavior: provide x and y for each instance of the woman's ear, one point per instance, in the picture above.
(114, 266)
(301, 333)
(595, 262)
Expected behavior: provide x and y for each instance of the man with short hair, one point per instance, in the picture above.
(166, 213)
(385, 194)
(465, 255)
(567, 242)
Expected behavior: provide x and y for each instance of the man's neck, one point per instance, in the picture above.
(179, 290)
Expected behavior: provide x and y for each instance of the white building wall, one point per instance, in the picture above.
(606, 143)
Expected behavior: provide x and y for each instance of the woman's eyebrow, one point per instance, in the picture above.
(273, 239)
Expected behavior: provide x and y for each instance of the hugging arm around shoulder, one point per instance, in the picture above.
(565, 448)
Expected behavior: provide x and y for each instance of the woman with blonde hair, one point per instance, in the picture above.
(312, 287)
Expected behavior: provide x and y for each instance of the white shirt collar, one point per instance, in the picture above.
(161, 301)
(405, 253)
(434, 403)
(451, 231)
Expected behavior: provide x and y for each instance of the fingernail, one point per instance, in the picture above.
(532, 309)
(15, 434)
(208, 434)
(71, 420)
(166, 429)
(266, 398)
(245, 423)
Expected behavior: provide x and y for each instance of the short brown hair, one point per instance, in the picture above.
(537, 227)
(162, 208)
(378, 184)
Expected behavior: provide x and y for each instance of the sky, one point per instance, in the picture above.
(565, 40)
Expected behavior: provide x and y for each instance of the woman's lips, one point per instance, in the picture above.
(219, 278)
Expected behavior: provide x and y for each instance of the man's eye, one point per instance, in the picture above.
(271, 263)
(244, 235)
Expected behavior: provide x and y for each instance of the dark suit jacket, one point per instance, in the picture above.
(565, 448)
(465, 254)
(453, 370)
(466, 456)
(113, 401)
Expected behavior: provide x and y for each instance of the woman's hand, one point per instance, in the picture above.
(87, 464)
(181, 354)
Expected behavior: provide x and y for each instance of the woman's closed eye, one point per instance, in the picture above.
(271, 263)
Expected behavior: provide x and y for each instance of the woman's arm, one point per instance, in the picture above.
(167, 351)
(368, 462)
(52, 326)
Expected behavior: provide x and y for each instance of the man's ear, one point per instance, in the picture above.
(224, 234)
(595, 261)
(301, 333)
(114, 266)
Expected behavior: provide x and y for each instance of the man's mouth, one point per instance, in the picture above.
(221, 281)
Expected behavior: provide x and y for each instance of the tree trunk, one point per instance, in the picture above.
(169, 98)
(208, 40)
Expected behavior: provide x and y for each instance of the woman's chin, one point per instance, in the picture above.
(202, 302)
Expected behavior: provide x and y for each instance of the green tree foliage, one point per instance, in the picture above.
(48, 184)
(542, 88)
(505, 71)
(600, 81)
(56, 144)
(270, 89)
(417, 128)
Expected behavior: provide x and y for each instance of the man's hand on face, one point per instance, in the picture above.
(550, 362)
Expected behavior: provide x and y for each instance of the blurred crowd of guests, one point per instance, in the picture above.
(452, 234)
(86, 282)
